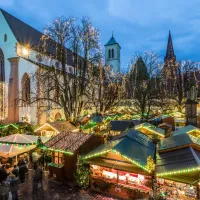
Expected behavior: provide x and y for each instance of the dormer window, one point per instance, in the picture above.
(5, 38)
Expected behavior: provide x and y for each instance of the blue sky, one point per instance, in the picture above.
(138, 25)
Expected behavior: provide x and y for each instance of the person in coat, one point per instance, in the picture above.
(3, 173)
(22, 171)
(14, 187)
(15, 171)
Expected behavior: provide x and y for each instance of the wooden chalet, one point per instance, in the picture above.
(66, 146)
(178, 166)
(53, 128)
(123, 165)
(151, 130)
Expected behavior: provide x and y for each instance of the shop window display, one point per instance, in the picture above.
(121, 177)
(174, 190)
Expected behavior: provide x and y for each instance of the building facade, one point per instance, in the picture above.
(112, 55)
(18, 43)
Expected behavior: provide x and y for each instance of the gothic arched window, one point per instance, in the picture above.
(5, 38)
(2, 67)
(2, 84)
(109, 53)
(113, 53)
(26, 88)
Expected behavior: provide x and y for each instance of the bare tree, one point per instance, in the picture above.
(180, 76)
(65, 83)
(108, 89)
(144, 84)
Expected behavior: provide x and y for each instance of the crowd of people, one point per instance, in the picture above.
(9, 182)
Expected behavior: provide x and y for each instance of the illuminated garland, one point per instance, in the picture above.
(97, 154)
(57, 150)
(179, 171)
(55, 165)
(194, 130)
(5, 126)
(16, 144)
(147, 128)
(132, 161)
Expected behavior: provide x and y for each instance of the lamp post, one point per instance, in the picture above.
(191, 107)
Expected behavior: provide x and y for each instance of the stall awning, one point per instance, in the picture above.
(22, 139)
(180, 165)
(11, 150)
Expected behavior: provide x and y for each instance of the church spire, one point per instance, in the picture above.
(170, 49)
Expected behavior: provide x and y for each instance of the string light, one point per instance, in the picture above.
(132, 161)
(97, 154)
(148, 129)
(179, 171)
(57, 150)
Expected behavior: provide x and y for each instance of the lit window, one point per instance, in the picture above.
(58, 158)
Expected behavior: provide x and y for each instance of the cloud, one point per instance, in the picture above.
(150, 12)
(6, 3)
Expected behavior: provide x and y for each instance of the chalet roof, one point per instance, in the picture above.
(26, 34)
(132, 144)
(63, 126)
(177, 141)
(68, 142)
(58, 126)
(185, 129)
(121, 125)
(170, 164)
(151, 128)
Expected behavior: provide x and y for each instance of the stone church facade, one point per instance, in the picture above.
(16, 70)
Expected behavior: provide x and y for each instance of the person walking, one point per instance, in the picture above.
(3, 173)
(15, 171)
(14, 187)
(22, 171)
(37, 179)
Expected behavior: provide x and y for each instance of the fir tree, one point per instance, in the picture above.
(82, 175)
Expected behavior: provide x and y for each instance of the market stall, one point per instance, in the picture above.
(189, 129)
(151, 130)
(53, 128)
(14, 145)
(22, 139)
(66, 146)
(178, 167)
(123, 165)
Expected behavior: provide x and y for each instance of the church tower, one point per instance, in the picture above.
(112, 51)
(169, 67)
(170, 50)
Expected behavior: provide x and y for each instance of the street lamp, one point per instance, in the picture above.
(25, 51)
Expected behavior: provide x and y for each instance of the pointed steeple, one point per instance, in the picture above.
(170, 49)
(112, 41)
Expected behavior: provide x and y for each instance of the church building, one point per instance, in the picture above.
(112, 55)
(18, 42)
